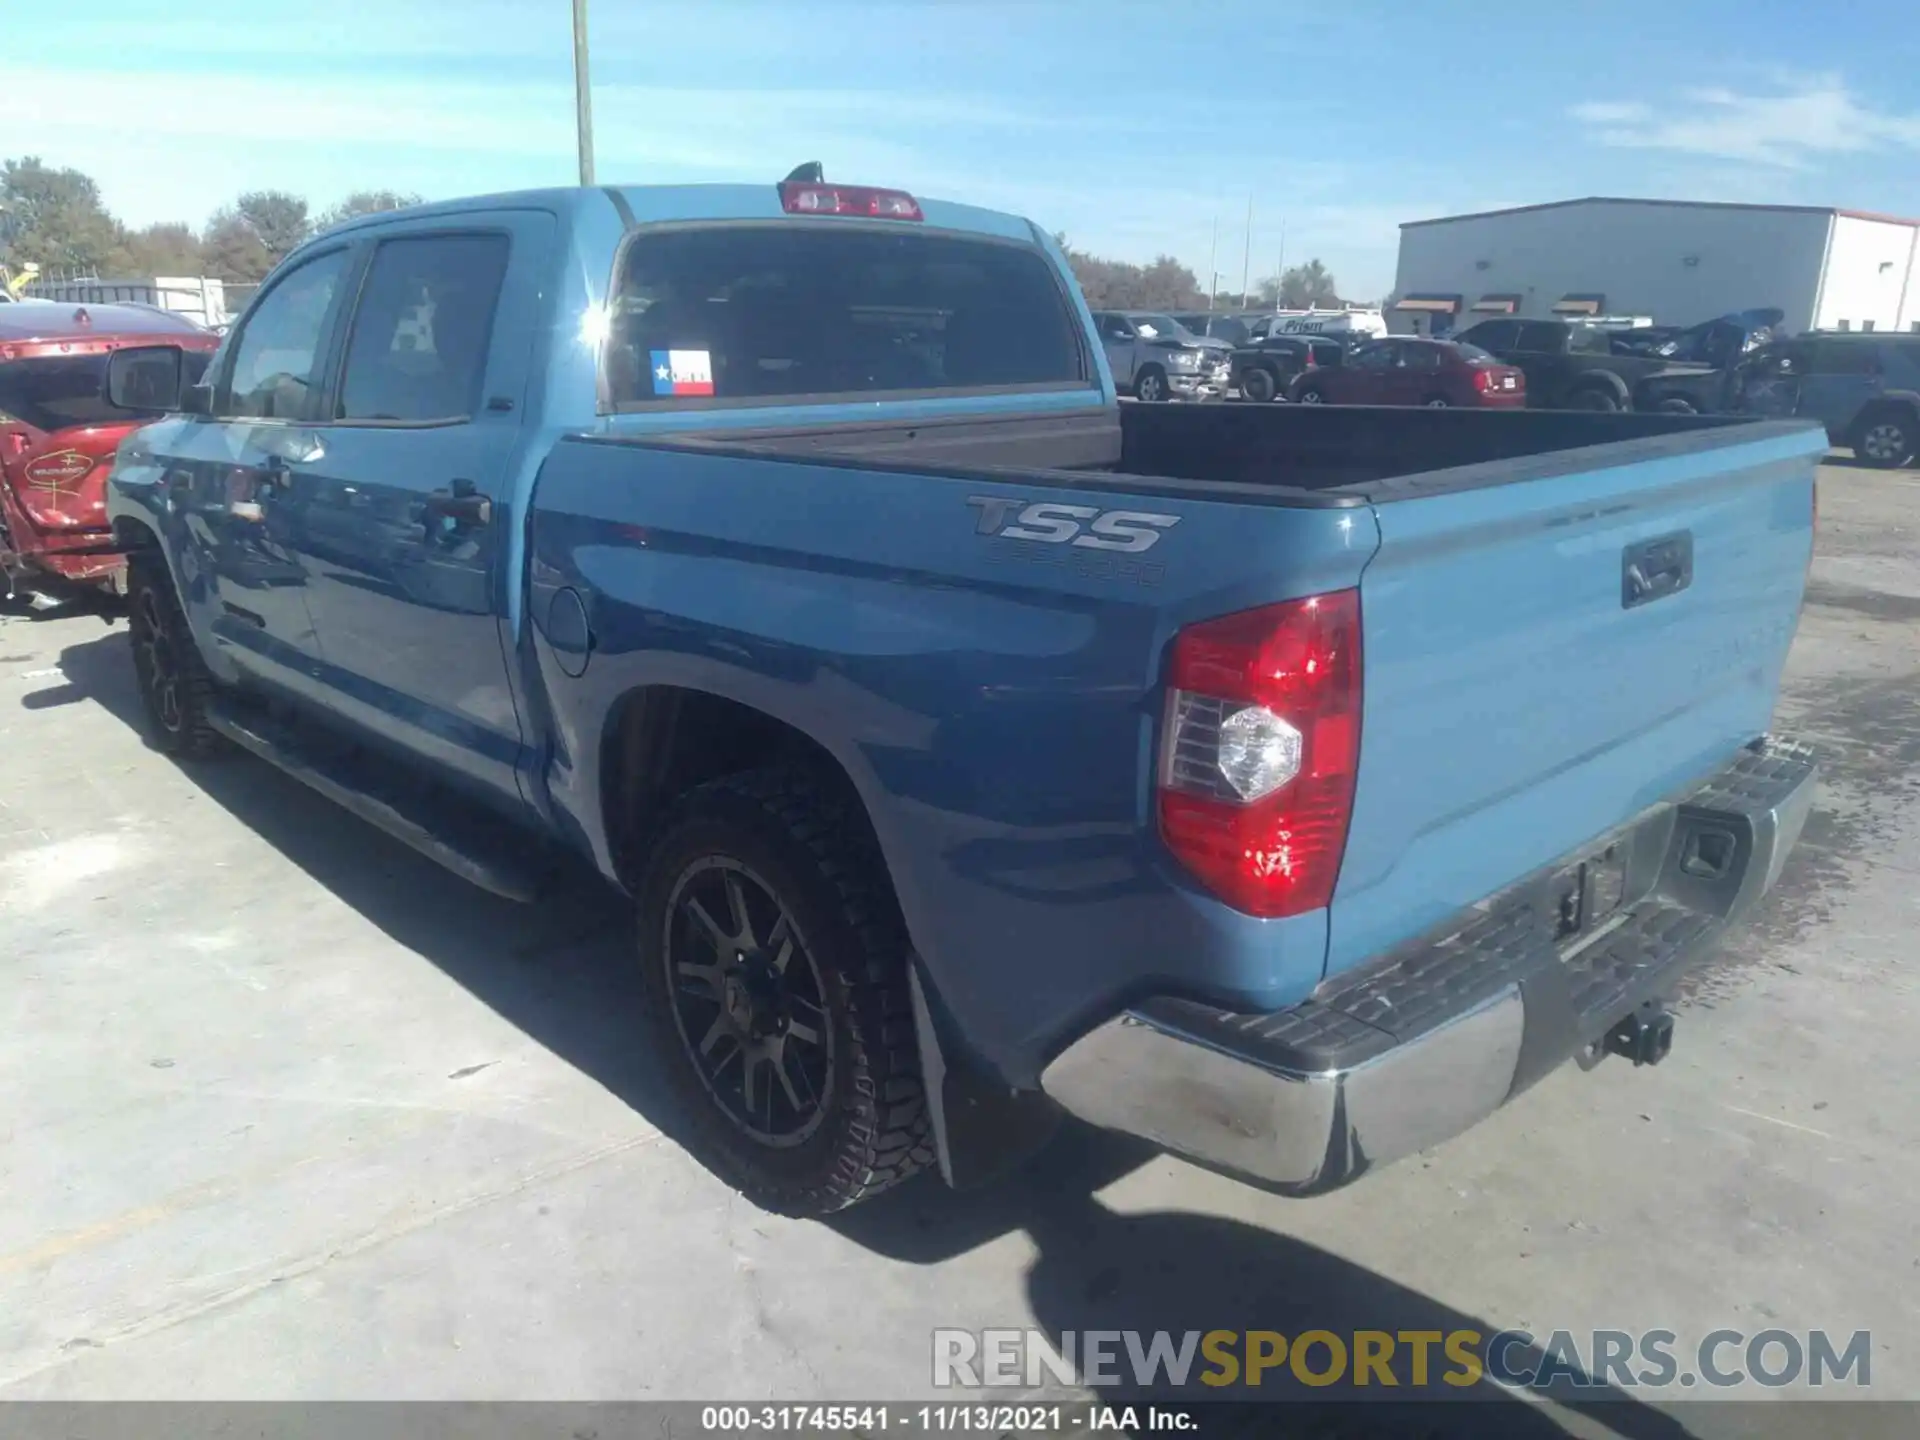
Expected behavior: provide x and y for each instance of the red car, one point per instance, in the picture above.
(1434, 373)
(58, 434)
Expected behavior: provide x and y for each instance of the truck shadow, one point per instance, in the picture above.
(1100, 1270)
(562, 972)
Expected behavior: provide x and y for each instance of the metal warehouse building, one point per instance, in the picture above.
(1679, 262)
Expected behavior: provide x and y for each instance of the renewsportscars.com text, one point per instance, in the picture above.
(1377, 1360)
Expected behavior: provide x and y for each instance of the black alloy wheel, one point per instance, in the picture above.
(748, 1002)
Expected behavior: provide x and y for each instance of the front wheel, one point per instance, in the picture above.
(775, 968)
(1151, 386)
(1436, 402)
(175, 687)
(1258, 386)
(1311, 395)
(1886, 441)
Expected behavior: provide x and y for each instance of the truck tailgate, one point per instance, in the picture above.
(1545, 658)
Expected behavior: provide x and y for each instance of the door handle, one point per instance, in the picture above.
(1656, 568)
(464, 509)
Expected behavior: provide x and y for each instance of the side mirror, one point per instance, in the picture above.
(146, 379)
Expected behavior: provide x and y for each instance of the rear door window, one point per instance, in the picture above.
(1541, 338)
(419, 346)
(753, 313)
(1495, 334)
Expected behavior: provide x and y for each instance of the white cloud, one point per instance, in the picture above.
(1789, 128)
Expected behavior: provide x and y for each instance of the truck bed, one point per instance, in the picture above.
(936, 605)
(1301, 455)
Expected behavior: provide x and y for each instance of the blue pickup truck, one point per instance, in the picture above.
(1288, 785)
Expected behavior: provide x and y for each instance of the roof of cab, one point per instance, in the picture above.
(64, 320)
(663, 204)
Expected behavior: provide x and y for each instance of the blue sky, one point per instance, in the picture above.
(1128, 125)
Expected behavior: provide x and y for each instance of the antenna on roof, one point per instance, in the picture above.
(807, 174)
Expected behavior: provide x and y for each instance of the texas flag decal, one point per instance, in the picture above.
(682, 372)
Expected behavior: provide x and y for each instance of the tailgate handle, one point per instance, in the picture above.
(1655, 569)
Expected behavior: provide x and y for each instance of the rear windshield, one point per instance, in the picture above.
(761, 312)
(60, 392)
(1473, 354)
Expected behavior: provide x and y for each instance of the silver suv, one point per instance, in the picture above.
(1154, 357)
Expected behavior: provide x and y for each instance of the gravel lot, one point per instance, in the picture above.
(288, 1112)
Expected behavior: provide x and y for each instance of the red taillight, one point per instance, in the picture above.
(800, 197)
(1483, 379)
(1260, 751)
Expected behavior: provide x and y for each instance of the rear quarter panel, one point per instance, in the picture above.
(995, 702)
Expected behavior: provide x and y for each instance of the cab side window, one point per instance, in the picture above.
(274, 374)
(1846, 357)
(418, 351)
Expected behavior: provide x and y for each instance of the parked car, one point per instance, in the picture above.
(1864, 388)
(58, 429)
(1063, 789)
(1403, 371)
(1155, 357)
(1569, 366)
(1266, 369)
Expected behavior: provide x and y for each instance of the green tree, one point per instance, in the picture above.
(54, 217)
(279, 219)
(170, 248)
(365, 202)
(233, 251)
(1166, 284)
(1303, 287)
(250, 237)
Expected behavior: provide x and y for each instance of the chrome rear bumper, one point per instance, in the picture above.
(1426, 1042)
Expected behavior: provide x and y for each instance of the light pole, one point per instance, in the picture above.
(582, 92)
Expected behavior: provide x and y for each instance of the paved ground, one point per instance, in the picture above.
(289, 1113)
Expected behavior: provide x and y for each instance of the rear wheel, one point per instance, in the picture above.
(1677, 406)
(1592, 397)
(1151, 385)
(1885, 440)
(175, 688)
(775, 966)
(1257, 385)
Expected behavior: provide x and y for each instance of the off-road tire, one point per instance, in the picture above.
(1258, 385)
(1592, 397)
(176, 690)
(806, 839)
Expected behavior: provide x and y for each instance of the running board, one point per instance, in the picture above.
(469, 842)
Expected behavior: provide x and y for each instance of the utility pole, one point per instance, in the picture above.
(582, 92)
(1246, 258)
(1213, 262)
(1280, 273)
